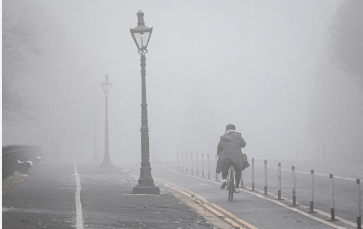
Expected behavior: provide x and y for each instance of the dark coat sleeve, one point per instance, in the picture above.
(219, 148)
(241, 141)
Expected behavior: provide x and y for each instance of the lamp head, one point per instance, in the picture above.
(141, 33)
(106, 86)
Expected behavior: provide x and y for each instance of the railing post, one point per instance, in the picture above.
(312, 192)
(293, 187)
(197, 165)
(359, 214)
(186, 163)
(208, 167)
(202, 165)
(191, 156)
(253, 174)
(265, 177)
(279, 182)
(182, 156)
(332, 208)
(177, 154)
(216, 166)
(242, 180)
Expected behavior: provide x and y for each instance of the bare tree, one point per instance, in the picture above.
(19, 46)
(347, 36)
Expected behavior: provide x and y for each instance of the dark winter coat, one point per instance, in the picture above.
(229, 152)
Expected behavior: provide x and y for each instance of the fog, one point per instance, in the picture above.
(209, 63)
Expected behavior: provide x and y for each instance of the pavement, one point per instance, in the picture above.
(47, 196)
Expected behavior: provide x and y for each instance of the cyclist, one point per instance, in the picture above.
(229, 153)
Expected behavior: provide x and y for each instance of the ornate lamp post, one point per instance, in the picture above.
(106, 87)
(141, 35)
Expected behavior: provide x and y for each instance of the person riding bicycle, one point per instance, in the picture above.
(229, 153)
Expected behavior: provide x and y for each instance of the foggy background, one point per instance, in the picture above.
(261, 65)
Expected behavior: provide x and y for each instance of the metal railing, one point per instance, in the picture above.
(294, 195)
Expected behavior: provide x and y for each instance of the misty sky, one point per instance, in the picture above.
(209, 63)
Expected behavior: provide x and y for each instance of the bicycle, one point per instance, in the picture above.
(230, 182)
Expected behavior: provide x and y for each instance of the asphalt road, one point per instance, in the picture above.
(263, 213)
(47, 198)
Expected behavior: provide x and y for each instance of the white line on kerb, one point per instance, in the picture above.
(78, 199)
(318, 174)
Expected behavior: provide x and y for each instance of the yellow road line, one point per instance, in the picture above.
(213, 210)
(193, 193)
(234, 223)
(179, 189)
(167, 185)
(186, 190)
(186, 194)
(234, 217)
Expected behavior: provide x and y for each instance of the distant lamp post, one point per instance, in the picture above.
(106, 87)
(95, 156)
(141, 35)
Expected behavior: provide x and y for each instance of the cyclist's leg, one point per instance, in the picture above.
(224, 174)
(238, 176)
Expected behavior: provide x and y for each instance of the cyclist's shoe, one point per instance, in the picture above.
(236, 190)
(224, 183)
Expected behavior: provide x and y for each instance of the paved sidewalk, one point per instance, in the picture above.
(46, 199)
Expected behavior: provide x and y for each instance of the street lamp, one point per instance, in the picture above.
(106, 87)
(141, 35)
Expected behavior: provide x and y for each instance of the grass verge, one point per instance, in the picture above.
(9, 182)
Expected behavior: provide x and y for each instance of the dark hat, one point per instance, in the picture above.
(230, 127)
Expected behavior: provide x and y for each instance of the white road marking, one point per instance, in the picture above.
(78, 200)
(344, 178)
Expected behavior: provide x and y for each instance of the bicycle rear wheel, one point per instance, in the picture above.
(231, 185)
